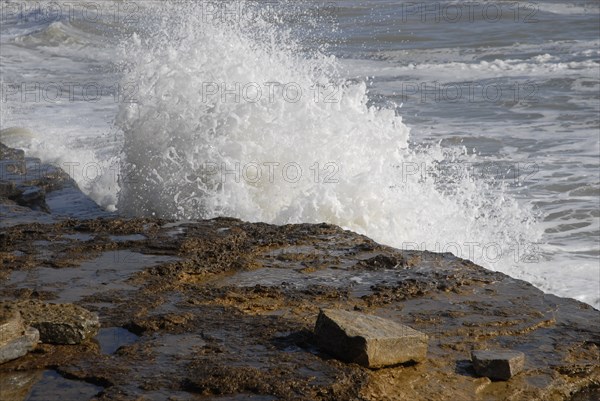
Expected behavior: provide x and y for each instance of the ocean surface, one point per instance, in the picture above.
(463, 127)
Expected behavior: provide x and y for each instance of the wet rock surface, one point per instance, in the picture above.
(229, 308)
(367, 340)
(16, 386)
(223, 309)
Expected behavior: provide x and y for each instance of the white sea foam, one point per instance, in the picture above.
(181, 151)
(542, 65)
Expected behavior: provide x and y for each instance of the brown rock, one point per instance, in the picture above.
(60, 323)
(370, 341)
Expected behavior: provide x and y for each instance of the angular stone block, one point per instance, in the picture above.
(498, 365)
(60, 323)
(367, 340)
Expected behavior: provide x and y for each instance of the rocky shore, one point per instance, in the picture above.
(226, 310)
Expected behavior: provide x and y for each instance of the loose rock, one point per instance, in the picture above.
(60, 323)
(370, 341)
(498, 365)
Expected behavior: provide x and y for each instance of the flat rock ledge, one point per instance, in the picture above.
(16, 340)
(498, 365)
(368, 340)
(59, 323)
